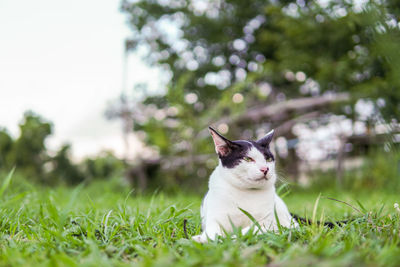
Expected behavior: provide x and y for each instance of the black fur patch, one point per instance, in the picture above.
(264, 149)
(236, 154)
(239, 151)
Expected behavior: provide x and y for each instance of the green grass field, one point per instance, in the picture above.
(104, 224)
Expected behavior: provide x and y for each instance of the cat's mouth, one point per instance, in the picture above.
(261, 179)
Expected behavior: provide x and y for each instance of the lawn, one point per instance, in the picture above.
(105, 224)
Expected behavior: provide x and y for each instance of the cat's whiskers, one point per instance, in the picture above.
(280, 175)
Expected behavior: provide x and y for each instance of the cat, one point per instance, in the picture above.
(243, 181)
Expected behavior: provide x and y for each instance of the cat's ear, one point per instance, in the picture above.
(222, 145)
(266, 140)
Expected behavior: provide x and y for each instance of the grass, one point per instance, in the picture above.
(104, 224)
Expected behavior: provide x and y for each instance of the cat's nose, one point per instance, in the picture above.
(264, 170)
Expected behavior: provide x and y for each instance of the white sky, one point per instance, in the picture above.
(63, 60)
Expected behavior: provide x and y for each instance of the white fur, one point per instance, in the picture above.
(245, 187)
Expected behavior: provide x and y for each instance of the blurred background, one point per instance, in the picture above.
(125, 91)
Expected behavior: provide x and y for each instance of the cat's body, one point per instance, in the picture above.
(243, 180)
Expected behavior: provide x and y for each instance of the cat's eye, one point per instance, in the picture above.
(269, 159)
(248, 159)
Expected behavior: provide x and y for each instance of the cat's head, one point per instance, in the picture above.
(249, 164)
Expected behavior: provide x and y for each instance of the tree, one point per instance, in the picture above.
(103, 166)
(228, 56)
(292, 45)
(29, 151)
(63, 170)
(32, 158)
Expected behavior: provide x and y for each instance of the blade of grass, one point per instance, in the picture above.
(6, 182)
(105, 223)
(251, 218)
(283, 190)
(340, 201)
(361, 206)
(315, 209)
(278, 223)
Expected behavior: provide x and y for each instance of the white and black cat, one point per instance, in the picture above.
(243, 180)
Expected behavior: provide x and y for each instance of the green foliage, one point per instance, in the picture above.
(105, 224)
(380, 170)
(342, 46)
(29, 155)
(63, 170)
(267, 52)
(6, 143)
(29, 151)
(103, 166)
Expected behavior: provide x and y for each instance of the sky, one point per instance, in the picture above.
(64, 61)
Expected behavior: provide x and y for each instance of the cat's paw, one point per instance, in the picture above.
(199, 238)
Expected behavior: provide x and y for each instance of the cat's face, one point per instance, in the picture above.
(249, 164)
